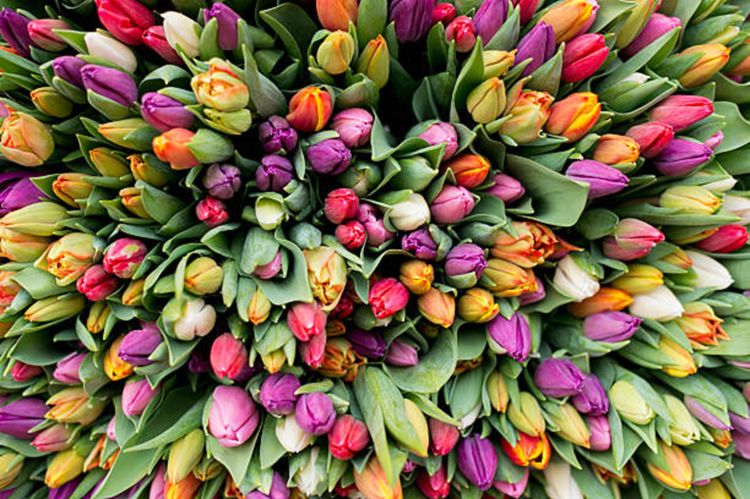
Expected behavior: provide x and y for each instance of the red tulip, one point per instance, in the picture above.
(125, 19)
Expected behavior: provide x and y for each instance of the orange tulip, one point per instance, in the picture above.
(114, 367)
(671, 467)
(172, 147)
(438, 307)
(701, 325)
(529, 451)
(574, 116)
(469, 169)
(25, 140)
(531, 244)
(310, 109)
(570, 18)
(605, 300)
(613, 149)
(336, 14)
(373, 484)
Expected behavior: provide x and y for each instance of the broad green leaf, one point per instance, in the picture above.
(434, 369)
(128, 468)
(293, 25)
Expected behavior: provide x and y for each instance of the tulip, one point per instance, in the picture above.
(69, 257)
(652, 137)
(629, 404)
(660, 304)
(226, 20)
(38, 219)
(574, 116)
(211, 211)
(443, 437)
(498, 391)
(559, 482)
(14, 30)
(420, 243)
(228, 357)
(682, 427)
(601, 435)
(738, 205)
(709, 272)
(477, 460)
(107, 48)
(715, 141)
(277, 394)
(639, 279)
(17, 418)
(306, 320)
(592, 400)
(314, 413)
(123, 257)
(505, 279)
(707, 416)
(583, 56)
(353, 126)
(462, 32)
(337, 359)
(656, 26)
(451, 205)
(610, 327)
(189, 317)
(136, 395)
(603, 180)
(571, 425)
(24, 140)
(68, 69)
(671, 467)
(278, 489)
(369, 344)
(526, 415)
(682, 157)
(487, 101)
(489, 17)
(114, 367)
(17, 191)
(310, 109)
(335, 53)
(506, 188)
(477, 305)
(53, 439)
(631, 240)
(470, 170)
(351, 234)
(443, 13)
(497, 62)
(51, 102)
(711, 58)
(173, 147)
(437, 307)
(276, 135)
(23, 372)
(411, 213)
(54, 308)
(528, 114)
(336, 14)
(96, 284)
(530, 245)
(155, 38)
(73, 405)
(412, 18)
(377, 233)
(110, 84)
(606, 299)
(529, 451)
(184, 455)
(574, 280)
(682, 111)
(329, 157)
(181, 31)
(374, 61)
(401, 354)
(233, 417)
(465, 259)
(612, 149)
(203, 276)
(372, 482)
(387, 297)
(72, 188)
(510, 336)
(326, 272)
(690, 199)
(347, 438)
(126, 19)
(139, 344)
(701, 325)
(164, 113)
(714, 489)
(559, 378)
(442, 133)
(538, 45)
(62, 468)
(41, 32)
(570, 18)
(727, 239)
(220, 88)
(340, 205)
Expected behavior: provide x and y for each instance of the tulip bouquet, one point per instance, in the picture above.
(342, 248)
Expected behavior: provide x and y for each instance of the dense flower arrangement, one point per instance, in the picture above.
(374, 249)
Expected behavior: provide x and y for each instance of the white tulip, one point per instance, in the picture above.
(559, 481)
(291, 436)
(709, 272)
(721, 186)
(107, 48)
(309, 476)
(738, 205)
(468, 419)
(190, 317)
(411, 213)
(660, 304)
(573, 281)
(183, 31)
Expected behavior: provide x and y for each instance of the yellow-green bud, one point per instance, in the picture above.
(203, 276)
(184, 455)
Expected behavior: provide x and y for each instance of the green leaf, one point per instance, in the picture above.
(705, 466)
(270, 448)
(471, 75)
(158, 204)
(293, 25)
(259, 248)
(179, 413)
(737, 128)
(265, 95)
(434, 369)
(373, 417)
(38, 349)
(609, 10)
(39, 284)
(128, 468)
(371, 18)
(640, 59)
(295, 286)
(507, 36)
(235, 459)
(22, 447)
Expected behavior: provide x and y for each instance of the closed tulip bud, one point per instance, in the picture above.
(172, 147)
(132, 296)
(707, 414)
(559, 378)
(727, 239)
(465, 264)
(537, 46)
(671, 467)
(559, 482)
(56, 438)
(70, 256)
(417, 276)
(639, 279)
(682, 427)
(739, 206)
(72, 188)
(489, 17)
(97, 316)
(529, 451)
(136, 395)
(593, 399)
(114, 366)
(51, 102)
(351, 234)
(461, 30)
(336, 14)
(41, 32)
(276, 135)
(139, 344)
(107, 48)
(340, 205)
(372, 482)
(660, 304)
(610, 327)
(421, 244)
(437, 307)
(487, 101)
(574, 116)
(184, 455)
(442, 133)
(126, 20)
(681, 157)
(526, 416)
(54, 308)
(443, 437)
(14, 30)
(708, 59)
(444, 13)
(24, 140)
(68, 369)
(451, 205)
(73, 405)
(477, 305)
(410, 214)
(17, 191)
(337, 358)
(506, 188)
(497, 62)
(111, 91)
(435, 486)
(96, 284)
(583, 56)
(164, 113)
(605, 300)
(629, 404)
(739, 62)
(571, 426)
(477, 460)
(387, 297)
(374, 226)
(636, 20)
(690, 200)
(181, 31)
(353, 126)
(314, 413)
(306, 320)
(64, 467)
(709, 273)
(226, 20)
(228, 357)
(528, 114)
(123, 257)
(203, 276)
(155, 38)
(17, 418)
(37, 219)
(498, 391)
(401, 353)
(310, 109)
(412, 18)
(336, 52)
(347, 438)
(273, 174)
(632, 239)
(682, 111)
(570, 18)
(211, 211)
(369, 344)
(505, 279)
(656, 26)
(277, 393)
(189, 317)
(612, 149)
(510, 336)
(22, 372)
(601, 434)
(714, 489)
(652, 137)
(67, 69)
(329, 157)
(233, 417)
(575, 277)
(326, 272)
(220, 88)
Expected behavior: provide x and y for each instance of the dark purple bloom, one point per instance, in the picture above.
(315, 413)
(593, 399)
(558, 377)
(165, 113)
(276, 134)
(420, 244)
(139, 344)
(511, 336)
(412, 18)
(14, 30)
(464, 259)
(488, 19)
(274, 173)
(603, 179)
(110, 83)
(610, 327)
(538, 45)
(66, 490)
(401, 353)
(681, 157)
(69, 68)
(199, 362)
(226, 19)
(477, 460)
(277, 393)
(18, 417)
(17, 190)
(369, 344)
(222, 181)
(329, 157)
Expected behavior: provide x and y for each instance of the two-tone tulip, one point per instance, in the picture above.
(220, 88)
(24, 140)
(707, 60)
(43, 35)
(55, 438)
(372, 482)
(173, 147)
(639, 279)
(437, 307)
(310, 109)
(123, 257)
(505, 279)
(690, 200)
(326, 271)
(528, 114)
(184, 455)
(336, 14)
(477, 305)
(701, 325)
(486, 102)
(529, 451)
(203, 276)
(64, 467)
(574, 116)
(631, 240)
(189, 317)
(96, 284)
(670, 466)
(74, 405)
(69, 257)
(617, 150)
(570, 18)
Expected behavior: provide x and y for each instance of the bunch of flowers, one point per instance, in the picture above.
(374, 248)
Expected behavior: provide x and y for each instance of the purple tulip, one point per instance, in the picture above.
(603, 179)
(279, 490)
(477, 460)
(657, 25)
(452, 204)
(329, 157)
(420, 244)
(274, 173)
(506, 188)
(739, 423)
(681, 157)
(68, 68)
(354, 126)
(277, 393)
(136, 395)
(14, 30)
(20, 416)
(510, 336)
(537, 45)
(110, 83)
(17, 190)
(377, 233)
(227, 20)
(67, 369)
(165, 113)
(412, 18)
(66, 490)
(368, 343)
(559, 378)
(277, 135)
(464, 259)
(488, 19)
(702, 414)
(139, 344)
(610, 327)
(601, 435)
(315, 413)
(535, 296)
(593, 399)
(442, 133)
(401, 353)
(158, 484)
(233, 417)
(222, 181)
(6, 494)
